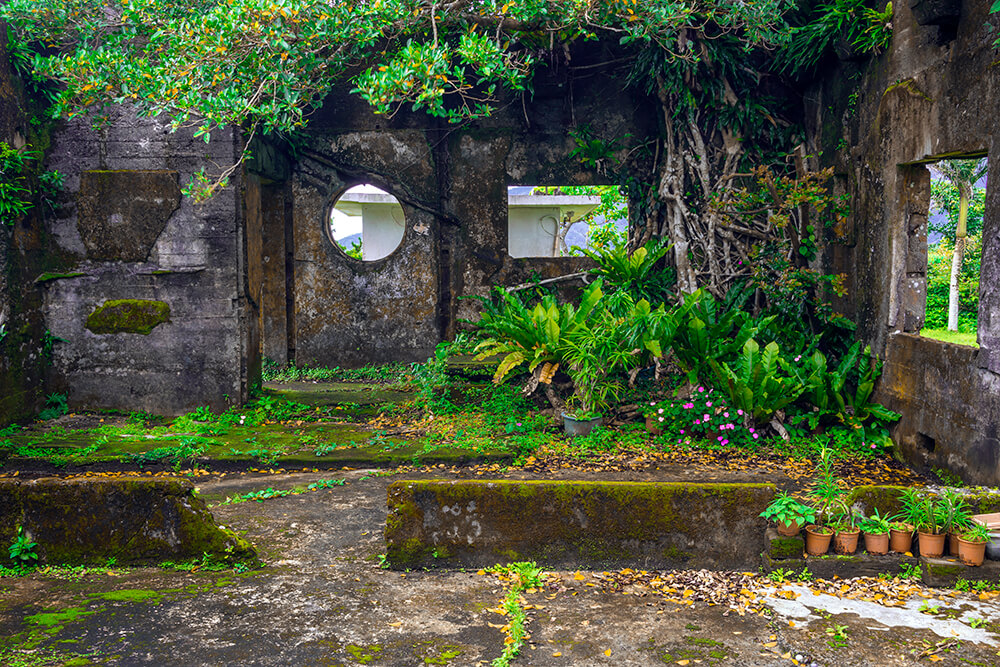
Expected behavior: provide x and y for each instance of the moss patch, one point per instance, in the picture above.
(138, 316)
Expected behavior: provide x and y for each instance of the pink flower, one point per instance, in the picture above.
(661, 418)
(701, 389)
(719, 438)
(705, 417)
(725, 442)
(682, 433)
(873, 445)
(688, 406)
(518, 423)
(739, 412)
(751, 430)
(798, 357)
(697, 421)
(660, 411)
(726, 415)
(708, 404)
(755, 436)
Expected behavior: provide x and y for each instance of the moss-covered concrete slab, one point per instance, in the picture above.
(478, 522)
(322, 394)
(89, 521)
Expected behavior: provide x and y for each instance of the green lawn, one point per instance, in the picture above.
(957, 337)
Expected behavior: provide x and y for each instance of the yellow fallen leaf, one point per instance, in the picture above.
(608, 653)
(934, 657)
(770, 644)
(787, 655)
(578, 577)
(683, 662)
(557, 654)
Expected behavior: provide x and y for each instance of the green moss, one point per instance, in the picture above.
(447, 654)
(47, 276)
(363, 654)
(786, 547)
(54, 620)
(138, 316)
(130, 595)
(911, 87)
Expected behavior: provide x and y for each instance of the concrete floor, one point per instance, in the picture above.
(322, 599)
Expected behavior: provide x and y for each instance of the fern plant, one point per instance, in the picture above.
(756, 383)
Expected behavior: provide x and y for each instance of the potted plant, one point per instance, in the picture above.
(930, 539)
(956, 517)
(901, 525)
(972, 545)
(789, 514)
(827, 496)
(876, 529)
(845, 539)
(591, 356)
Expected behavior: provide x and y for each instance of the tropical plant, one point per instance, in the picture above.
(788, 509)
(911, 511)
(635, 272)
(822, 26)
(707, 330)
(15, 195)
(756, 382)
(22, 549)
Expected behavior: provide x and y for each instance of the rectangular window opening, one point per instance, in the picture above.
(954, 250)
(560, 220)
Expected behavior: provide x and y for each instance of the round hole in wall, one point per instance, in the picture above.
(367, 222)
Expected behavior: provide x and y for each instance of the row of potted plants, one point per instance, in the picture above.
(829, 517)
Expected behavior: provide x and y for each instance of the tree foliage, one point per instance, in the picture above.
(264, 64)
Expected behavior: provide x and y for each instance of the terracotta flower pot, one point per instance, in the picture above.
(845, 542)
(970, 553)
(789, 529)
(817, 543)
(877, 544)
(931, 544)
(900, 541)
(953, 544)
(654, 425)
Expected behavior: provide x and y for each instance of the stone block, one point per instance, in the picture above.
(778, 547)
(579, 524)
(88, 521)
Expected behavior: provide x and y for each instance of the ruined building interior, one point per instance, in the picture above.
(146, 300)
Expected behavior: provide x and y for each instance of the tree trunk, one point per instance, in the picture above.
(965, 193)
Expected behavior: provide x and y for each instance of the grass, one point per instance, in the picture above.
(957, 337)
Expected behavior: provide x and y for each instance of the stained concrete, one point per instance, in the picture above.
(323, 600)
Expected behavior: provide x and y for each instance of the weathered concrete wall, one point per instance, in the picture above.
(933, 95)
(88, 521)
(126, 233)
(593, 524)
(22, 256)
(452, 183)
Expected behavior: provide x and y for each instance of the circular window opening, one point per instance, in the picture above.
(367, 223)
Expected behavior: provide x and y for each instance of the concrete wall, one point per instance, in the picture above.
(933, 95)
(452, 183)
(126, 233)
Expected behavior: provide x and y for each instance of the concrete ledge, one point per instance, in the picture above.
(578, 524)
(88, 521)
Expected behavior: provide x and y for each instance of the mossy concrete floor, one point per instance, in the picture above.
(322, 599)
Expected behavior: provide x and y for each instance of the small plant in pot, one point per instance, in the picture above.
(930, 539)
(876, 529)
(972, 545)
(902, 525)
(789, 514)
(590, 363)
(827, 496)
(956, 517)
(845, 539)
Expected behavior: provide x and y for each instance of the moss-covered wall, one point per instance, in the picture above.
(88, 521)
(932, 95)
(594, 524)
(22, 257)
